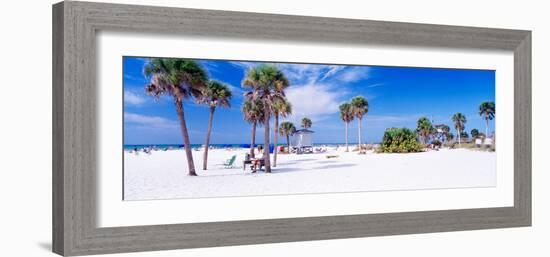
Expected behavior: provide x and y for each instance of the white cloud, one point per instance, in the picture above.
(148, 121)
(312, 101)
(132, 98)
(353, 74)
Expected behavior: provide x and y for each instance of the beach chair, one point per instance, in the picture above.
(230, 163)
(247, 160)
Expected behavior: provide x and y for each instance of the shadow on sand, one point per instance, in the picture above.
(295, 162)
(324, 167)
(332, 166)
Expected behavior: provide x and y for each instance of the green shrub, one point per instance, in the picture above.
(399, 140)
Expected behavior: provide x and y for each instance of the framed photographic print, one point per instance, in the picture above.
(183, 128)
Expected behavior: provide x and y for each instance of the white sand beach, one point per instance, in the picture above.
(163, 174)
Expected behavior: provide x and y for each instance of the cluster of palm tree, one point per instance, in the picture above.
(183, 80)
(475, 133)
(443, 133)
(358, 107)
(266, 84)
(425, 130)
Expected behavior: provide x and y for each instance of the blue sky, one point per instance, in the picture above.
(397, 97)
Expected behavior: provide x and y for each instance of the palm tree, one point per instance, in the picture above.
(346, 114)
(215, 94)
(474, 133)
(281, 108)
(306, 123)
(464, 135)
(287, 129)
(267, 84)
(254, 114)
(487, 111)
(359, 107)
(450, 136)
(181, 79)
(460, 120)
(424, 129)
(442, 132)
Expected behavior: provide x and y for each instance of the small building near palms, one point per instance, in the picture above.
(303, 141)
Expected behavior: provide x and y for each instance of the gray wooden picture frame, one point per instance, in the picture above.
(75, 25)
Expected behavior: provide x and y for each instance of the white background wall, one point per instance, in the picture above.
(25, 128)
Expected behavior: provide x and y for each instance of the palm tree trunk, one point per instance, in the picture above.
(359, 120)
(287, 143)
(275, 140)
(458, 136)
(207, 143)
(253, 143)
(185, 134)
(486, 127)
(266, 141)
(347, 148)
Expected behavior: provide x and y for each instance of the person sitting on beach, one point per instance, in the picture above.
(257, 162)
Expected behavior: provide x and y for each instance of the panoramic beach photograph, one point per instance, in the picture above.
(198, 128)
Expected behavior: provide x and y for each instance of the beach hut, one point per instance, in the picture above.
(303, 141)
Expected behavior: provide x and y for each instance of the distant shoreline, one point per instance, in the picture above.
(221, 146)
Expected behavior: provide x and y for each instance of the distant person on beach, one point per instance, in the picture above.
(488, 142)
(478, 142)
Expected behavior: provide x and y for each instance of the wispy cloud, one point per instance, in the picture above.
(135, 78)
(304, 73)
(238, 92)
(243, 65)
(333, 70)
(300, 74)
(393, 118)
(148, 121)
(353, 74)
(211, 66)
(376, 85)
(131, 98)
